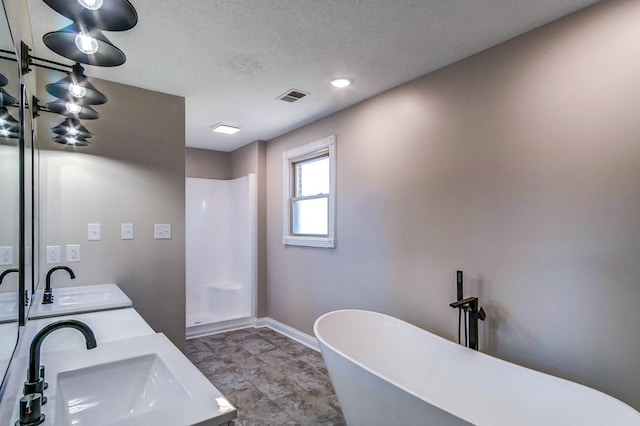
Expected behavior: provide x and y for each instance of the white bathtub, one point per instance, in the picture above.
(386, 371)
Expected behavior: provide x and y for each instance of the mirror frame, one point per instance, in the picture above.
(22, 221)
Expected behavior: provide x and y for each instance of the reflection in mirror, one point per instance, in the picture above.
(30, 205)
(9, 196)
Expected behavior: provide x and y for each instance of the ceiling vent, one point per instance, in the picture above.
(292, 95)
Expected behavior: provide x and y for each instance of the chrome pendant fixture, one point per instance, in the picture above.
(84, 45)
(73, 110)
(107, 15)
(76, 88)
(72, 127)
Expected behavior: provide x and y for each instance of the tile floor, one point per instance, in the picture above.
(269, 378)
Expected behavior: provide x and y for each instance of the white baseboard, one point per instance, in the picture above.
(202, 330)
(290, 332)
(222, 327)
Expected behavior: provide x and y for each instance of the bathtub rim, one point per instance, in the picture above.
(323, 342)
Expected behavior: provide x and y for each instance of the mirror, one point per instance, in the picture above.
(9, 196)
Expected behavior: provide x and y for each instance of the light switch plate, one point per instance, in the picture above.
(73, 252)
(162, 231)
(6, 255)
(94, 232)
(127, 231)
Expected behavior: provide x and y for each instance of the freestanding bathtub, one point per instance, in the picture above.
(386, 371)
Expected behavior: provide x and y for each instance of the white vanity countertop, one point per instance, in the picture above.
(205, 405)
(74, 300)
(121, 334)
(108, 326)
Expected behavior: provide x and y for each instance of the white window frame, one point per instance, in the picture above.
(290, 157)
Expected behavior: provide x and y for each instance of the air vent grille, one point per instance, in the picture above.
(292, 95)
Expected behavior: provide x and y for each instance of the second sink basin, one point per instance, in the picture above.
(74, 300)
(116, 391)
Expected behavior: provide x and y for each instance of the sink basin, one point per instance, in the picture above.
(74, 300)
(116, 391)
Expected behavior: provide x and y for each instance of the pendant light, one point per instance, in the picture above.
(6, 120)
(72, 127)
(3, 80)
(85, 45)
(7, 99)
(107, 15)
(76, 88)
(71, 141)
(9, 126)
(73, 110)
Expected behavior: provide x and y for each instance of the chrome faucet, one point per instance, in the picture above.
(47, 297)
(7, 272)
(30, 404)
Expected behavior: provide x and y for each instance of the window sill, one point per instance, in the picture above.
(323, 242)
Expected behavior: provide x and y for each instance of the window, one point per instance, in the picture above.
(309, 194)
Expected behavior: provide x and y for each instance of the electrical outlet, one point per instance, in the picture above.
(127, 231)
(73, 252)
(162, 231)
(6, 256)
(94, 231)
(53, 254)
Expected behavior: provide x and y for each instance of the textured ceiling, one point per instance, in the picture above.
(230, 59)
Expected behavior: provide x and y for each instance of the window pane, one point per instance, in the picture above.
(312, 177)
(311, 217)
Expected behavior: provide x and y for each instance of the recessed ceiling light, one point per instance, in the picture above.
(340, 82)
(225, 128)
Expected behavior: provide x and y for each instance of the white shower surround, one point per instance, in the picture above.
(221, 241)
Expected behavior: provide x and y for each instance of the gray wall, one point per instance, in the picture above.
(207, 164)
(133, 173)
(252, 159)
(519, 165)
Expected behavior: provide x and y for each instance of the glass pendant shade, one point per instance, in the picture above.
(72, 127)
(76, 88)
(71, 141)
(107, 15)
(3, 80)
(83, 112)
(7, 99)
(64, 43)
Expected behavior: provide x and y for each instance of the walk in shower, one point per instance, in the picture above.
(221, 229)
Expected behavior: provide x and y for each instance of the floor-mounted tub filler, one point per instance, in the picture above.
(386, 371)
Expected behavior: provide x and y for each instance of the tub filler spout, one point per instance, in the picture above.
(470, 307)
